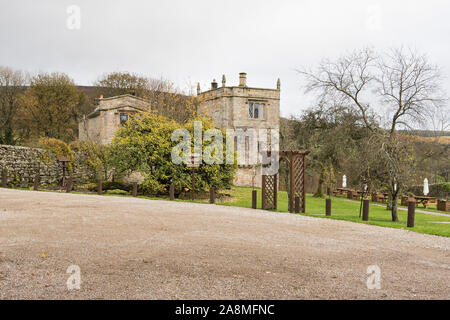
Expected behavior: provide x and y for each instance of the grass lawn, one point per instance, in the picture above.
(431, 207)
(341, 209)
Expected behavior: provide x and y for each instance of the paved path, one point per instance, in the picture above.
(142, 249)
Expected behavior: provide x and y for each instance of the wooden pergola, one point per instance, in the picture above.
(296, 162)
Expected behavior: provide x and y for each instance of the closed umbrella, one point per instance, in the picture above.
(426, 189)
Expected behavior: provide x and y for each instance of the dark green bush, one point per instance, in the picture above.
(112, 185)
(145, 145)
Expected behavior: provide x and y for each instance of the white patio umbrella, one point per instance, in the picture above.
(426, 189)
(344, 181)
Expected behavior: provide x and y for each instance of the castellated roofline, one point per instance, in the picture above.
(242, 85)
(238, 87)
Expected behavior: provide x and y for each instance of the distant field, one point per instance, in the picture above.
(441, 140)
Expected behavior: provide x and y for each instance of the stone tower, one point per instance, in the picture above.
(242, 107)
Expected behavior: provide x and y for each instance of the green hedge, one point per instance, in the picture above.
(438, 190)
(112, 185)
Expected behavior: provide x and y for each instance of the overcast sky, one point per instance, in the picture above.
(196, 41)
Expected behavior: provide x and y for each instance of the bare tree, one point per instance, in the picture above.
(346, 81)
(12, 84)
(404, 82)
(169, 101)
(409, 86)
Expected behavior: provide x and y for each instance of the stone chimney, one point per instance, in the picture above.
(213, 84)
(242, 79)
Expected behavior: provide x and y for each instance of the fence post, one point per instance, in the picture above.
(172, 192)
(69, 183)
(4, 179)
(100, 187)
(134, 189)
(36, 182)
(297, 204)
(254, 198)
(328, 207)
(411, 213)
(365, 210)
(212, 195)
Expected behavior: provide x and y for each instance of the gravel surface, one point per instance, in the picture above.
(130, 248)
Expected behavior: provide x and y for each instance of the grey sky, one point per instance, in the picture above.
(196, 41)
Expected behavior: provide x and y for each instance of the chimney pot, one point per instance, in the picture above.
(242, 79)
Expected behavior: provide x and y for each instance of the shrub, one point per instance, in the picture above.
(111, 185)
(144, 145)
(95, 156)
(117, 191)
(59, 148)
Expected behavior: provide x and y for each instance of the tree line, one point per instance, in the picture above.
(367, 103)
(50, 105)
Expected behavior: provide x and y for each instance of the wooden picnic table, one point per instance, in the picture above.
(379, 197)
(342, 191)
(356, 194)
(425, 200)
(350, 193)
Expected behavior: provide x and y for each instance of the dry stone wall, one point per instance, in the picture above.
(23, 163)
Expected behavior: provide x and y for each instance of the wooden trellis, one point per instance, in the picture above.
(296, 188)
(269, 192)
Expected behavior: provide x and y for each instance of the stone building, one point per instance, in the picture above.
(109, 114)
(230, 107)
(242, 107)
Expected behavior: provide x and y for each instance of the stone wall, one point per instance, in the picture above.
(22, 164)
